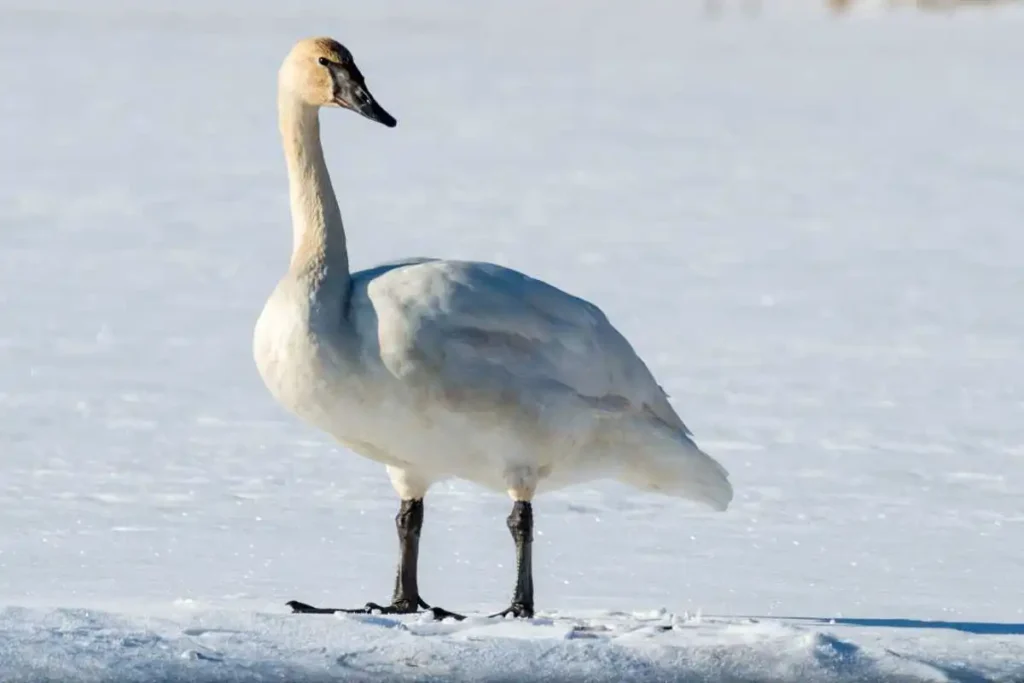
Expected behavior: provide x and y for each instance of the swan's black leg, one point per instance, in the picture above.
(406, 598)
(409, 523)
(520, 523)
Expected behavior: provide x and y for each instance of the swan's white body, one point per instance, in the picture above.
(444, 369)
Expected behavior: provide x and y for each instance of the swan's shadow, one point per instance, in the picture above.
(988, 628)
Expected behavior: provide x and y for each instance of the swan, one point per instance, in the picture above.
(442, 368)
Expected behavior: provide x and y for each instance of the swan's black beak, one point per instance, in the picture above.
(358, 98)
(350, 89)
(373, 111)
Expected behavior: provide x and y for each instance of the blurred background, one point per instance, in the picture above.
(716, 7)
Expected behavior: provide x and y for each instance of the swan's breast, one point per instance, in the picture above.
(289, 353)
(312, 363)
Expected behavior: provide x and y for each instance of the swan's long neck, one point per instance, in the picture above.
(318, 246)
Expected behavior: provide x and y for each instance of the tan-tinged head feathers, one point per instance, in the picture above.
(320, 72)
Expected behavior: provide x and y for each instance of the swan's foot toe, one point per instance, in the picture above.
(440, 613)
(302, 608)
(397, 607)
(518, 610)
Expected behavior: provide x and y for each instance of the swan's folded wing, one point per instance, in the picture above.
(482, 327)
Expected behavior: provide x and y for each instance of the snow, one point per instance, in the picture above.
(808, 227)
(233, 645)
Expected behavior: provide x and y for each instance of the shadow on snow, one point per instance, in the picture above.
(977, 627)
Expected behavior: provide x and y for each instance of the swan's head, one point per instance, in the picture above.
(320, 72)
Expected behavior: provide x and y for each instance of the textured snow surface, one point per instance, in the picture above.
(185, 643)
(809, 228)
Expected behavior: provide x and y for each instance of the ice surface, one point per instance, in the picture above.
(809, 228)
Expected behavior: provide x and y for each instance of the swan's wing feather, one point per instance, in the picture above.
(376, 271)
(482, 325)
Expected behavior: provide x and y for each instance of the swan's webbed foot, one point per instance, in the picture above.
(517, 610)
(397, 607)
(402, 607)
(406, 598)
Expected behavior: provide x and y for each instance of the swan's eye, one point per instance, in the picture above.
(324, 61)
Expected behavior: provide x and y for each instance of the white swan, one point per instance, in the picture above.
(439, 368)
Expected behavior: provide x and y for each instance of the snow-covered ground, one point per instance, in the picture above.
(810, 228)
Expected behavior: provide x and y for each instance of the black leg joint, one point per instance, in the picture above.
(520, 522)
(409, 520)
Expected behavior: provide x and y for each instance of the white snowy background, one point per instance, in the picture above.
(809, 227)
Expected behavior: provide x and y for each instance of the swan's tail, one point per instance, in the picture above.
(670, 463)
